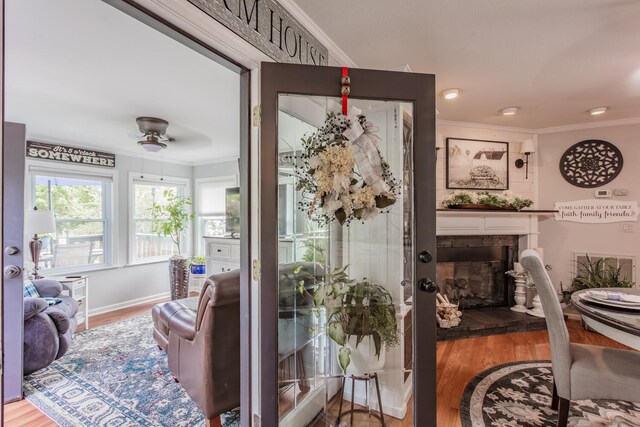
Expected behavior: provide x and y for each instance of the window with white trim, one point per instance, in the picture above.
(81, 204)
(210, 206)
(145, 243)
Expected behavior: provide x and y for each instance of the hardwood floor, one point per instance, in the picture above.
(457, 362)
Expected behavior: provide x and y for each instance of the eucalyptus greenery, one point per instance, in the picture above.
(172, 217)
(599, 273)
(356, 308)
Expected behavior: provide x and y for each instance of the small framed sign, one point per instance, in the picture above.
(66, 154)
(474, 164)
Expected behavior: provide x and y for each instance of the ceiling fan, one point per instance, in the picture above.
(154, 130)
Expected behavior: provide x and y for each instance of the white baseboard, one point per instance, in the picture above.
(126, 304)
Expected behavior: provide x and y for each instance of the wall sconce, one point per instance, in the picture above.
(527, 148)
(439, 142)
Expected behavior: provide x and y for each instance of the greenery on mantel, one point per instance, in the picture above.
(504, 200)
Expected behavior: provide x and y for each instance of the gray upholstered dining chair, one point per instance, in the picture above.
(580, 371)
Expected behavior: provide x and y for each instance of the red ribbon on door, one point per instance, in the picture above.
(345, 90)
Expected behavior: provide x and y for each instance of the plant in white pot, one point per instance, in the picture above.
(361, 319)
(171, 219)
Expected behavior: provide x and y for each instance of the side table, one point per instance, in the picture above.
(78, 289)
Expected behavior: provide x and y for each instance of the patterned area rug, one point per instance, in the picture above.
(519, 394)
(115, 375)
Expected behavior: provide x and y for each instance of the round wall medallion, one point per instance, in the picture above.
(591, 163)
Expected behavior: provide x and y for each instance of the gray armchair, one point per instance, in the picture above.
(580, 371)
(48, 330)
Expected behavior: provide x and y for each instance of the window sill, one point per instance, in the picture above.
(146, 262)
(80, 271)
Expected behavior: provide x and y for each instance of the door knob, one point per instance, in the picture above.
(428, 285)
(12, 271)
(11, 250)
(425, 257)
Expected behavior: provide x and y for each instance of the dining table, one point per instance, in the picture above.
(621, 325)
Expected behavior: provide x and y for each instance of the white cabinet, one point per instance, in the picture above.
(223, 254)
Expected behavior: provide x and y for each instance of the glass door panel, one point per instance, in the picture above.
(345, 257)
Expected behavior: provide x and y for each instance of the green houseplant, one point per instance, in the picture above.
(360, 316)
(171, 219)
(599, 273)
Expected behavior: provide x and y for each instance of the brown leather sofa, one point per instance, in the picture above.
(202, 339)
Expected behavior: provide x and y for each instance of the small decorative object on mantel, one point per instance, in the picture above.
(447, 314)
(520, 295)
(591, 163)
(507, 200)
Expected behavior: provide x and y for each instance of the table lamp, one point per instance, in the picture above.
(38, 222)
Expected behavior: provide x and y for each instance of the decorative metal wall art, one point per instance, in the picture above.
(591, 163)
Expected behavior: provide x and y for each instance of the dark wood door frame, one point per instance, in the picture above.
(418, 89)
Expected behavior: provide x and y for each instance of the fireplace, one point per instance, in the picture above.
(471, 269)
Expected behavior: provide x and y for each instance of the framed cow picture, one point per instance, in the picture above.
(474, 164)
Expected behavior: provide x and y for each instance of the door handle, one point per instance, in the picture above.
(11, 250)
(12, 271)
(428, 285)
(425, 257)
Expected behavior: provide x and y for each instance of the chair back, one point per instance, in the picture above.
(556, 326)
(72, 254)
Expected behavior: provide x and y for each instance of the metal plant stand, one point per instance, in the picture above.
(366, 378)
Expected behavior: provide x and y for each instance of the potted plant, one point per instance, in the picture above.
(361, 319)
(198, 265)
(171, 219)
(599, 274)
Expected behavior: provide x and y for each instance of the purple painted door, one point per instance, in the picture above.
(13, 150)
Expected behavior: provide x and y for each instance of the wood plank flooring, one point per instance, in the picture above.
(457, 362)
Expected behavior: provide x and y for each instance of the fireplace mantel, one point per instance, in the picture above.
(479, 222)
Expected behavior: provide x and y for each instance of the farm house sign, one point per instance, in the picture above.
(62, 153)
(597, 211)
(269, 27)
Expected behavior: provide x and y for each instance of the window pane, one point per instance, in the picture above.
(69, 198)
(78, 205)
(213, 226)
(147, 242)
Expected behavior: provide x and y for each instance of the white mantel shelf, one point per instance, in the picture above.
(485, 222)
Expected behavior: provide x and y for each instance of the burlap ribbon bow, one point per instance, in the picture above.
(365, 147)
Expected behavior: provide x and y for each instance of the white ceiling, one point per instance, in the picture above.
(553, 58)
(80, 71)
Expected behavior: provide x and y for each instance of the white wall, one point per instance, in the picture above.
(517, 181)
(559, 239)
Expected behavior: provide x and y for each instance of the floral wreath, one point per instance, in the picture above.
(341, 172)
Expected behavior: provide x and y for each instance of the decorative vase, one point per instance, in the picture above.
(363, 357)
(199, 269)
(179, 276)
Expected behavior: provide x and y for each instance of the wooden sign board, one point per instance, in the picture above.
(269, 27)
(597, 211)
(65, 154)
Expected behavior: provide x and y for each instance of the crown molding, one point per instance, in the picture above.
(590, 125)
(334, 50)
(484, 126)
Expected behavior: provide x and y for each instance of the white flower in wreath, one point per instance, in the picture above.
(341, 183)
(331, 205)
(364, 198)
(369, 213)
(315, 162)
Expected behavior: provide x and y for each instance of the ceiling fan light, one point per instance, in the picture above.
(597, 111)
(152, 146)
(451, 93)
(509, 111)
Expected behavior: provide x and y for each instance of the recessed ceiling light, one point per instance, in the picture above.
(597, 111)
(509, 111)
(451, 93)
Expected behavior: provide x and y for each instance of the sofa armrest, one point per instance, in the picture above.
(48, 287)
(183, 323)
(59, 318)
(33, 306)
